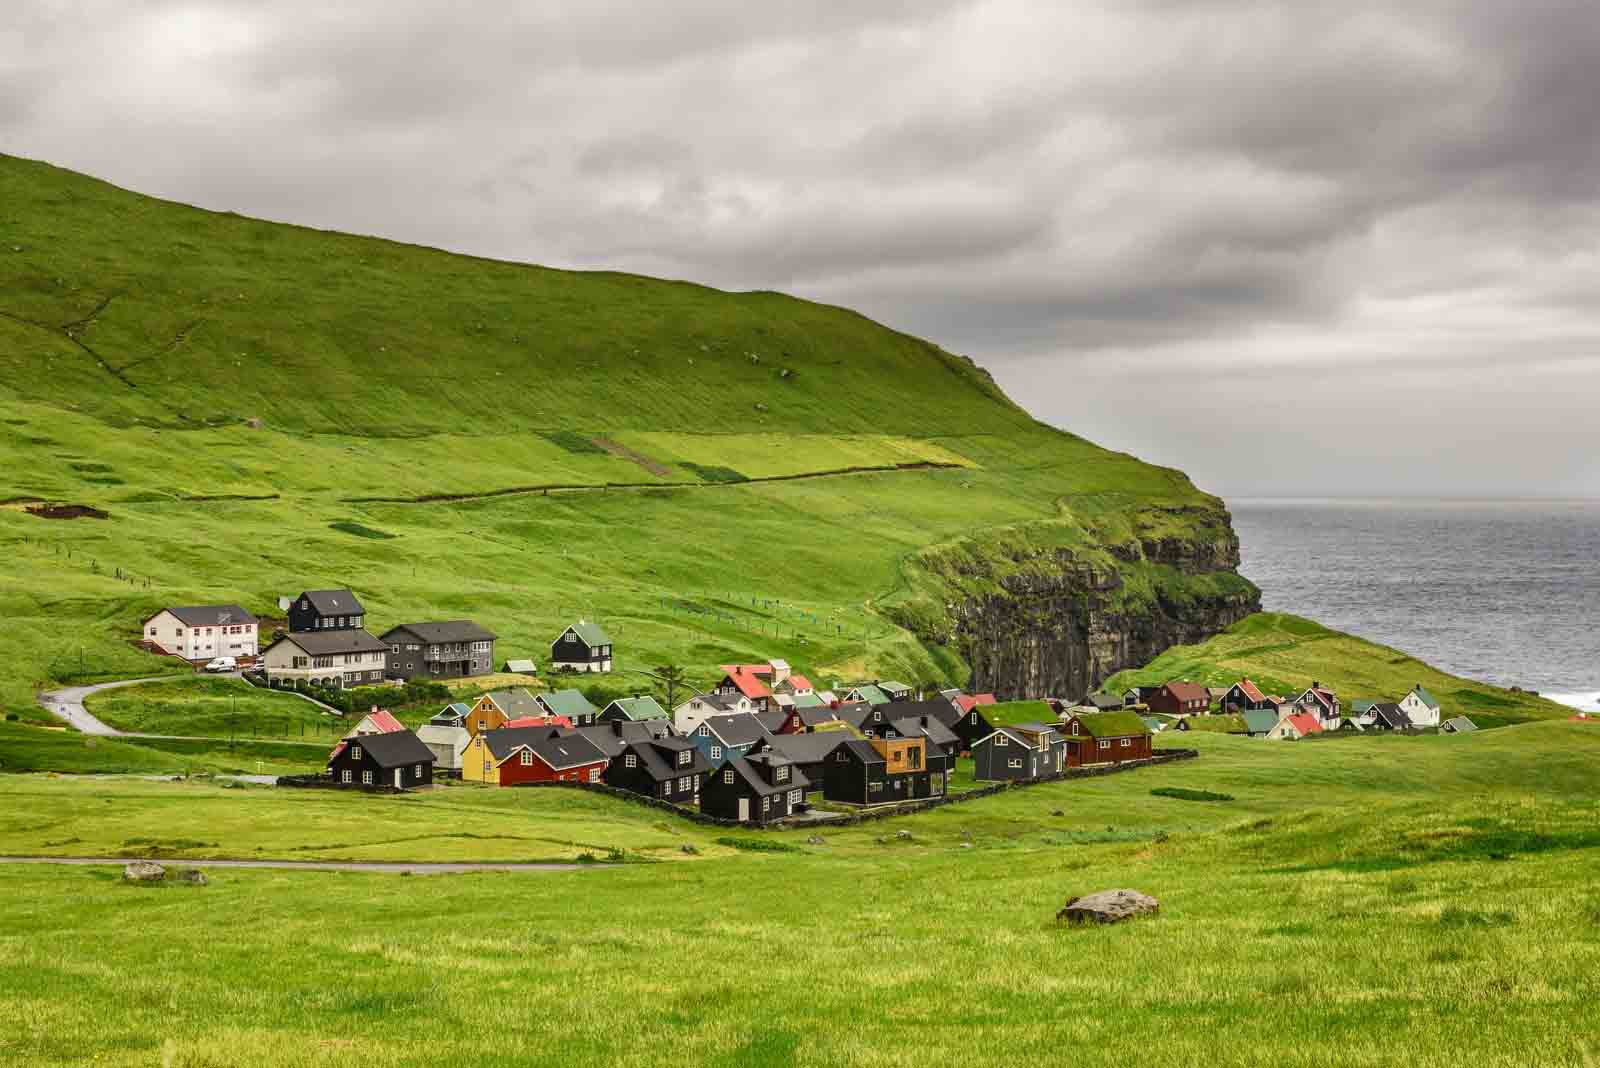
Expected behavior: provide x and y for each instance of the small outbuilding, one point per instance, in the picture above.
(445, 743)
(1457, 725)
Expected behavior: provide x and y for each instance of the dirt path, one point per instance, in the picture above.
(67, 704)
(388, 867)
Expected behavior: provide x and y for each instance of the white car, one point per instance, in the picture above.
(222, 663)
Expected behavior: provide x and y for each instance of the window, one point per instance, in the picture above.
(780, 774)
(395, 648)
(482, 724)
(366, 778)
(795, 796)
(974, 718)
(301, 661)
(594, 774)
(766, 805)
(1105, 743)
(630, 761)
(355, 752)
(841, 756)
(1126, 742)
(874, 787)
(152, 632)
(1001, 739)
(686, 783)
(704, 731)
(179, 632)
(345, 775)
(685, 757)
(527, 759)
(416, 772)
(727, 777)
(1014, 762)
(716, 752)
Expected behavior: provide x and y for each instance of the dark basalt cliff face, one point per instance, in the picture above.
(1057, 623)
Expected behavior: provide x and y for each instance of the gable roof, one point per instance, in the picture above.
(744, 768)
(451, 714)
(808, 748)
(1424, 696)
(439, 734)
(522, 667)
(333, 642)
(1104, 701)
(333, 602)
(1188, 691)
(659, 758)
(613, 736)
(381, 720)
(745, 679)
(934, 730)
(1251, 691)
(1305, 723)
(894, 687)
(1460, 724)
(592, 633)
(449, 631)
(1260, 720)
(815, 715)
(393, 750)
(1112, 724)
(515, 703)
(557, 747)
(870, 694)
(567, 703)
(809, 700)
(1014, 737)
(1392, 714)
(966, 702)
(208, 615)
(638, 708)
(539, 719)
(799, 682)
(740, 728)
(772, 719)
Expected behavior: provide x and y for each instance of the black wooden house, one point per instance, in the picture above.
(758, 788)
(326, 610)
(670, 769)
(398, 759)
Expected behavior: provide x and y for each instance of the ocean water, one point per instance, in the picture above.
(1507, 592)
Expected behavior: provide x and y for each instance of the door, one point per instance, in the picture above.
(744, 809)
(397, 773)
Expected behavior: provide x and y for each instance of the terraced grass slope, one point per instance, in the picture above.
(1284, 654)
(258, 408)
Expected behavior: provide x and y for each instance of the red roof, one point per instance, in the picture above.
(1306, 723)
(800, 682)
(743, 677)
(966, 702)
(384, 720)
(539, 721)
(1250, 691)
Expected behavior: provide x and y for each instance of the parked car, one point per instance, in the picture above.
(222, 663)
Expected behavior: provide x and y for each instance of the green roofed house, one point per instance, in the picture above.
(1421, 707)
(1011, 713)
(808, 700)
(633, 710)
(1258, 723)
(1457, 725)
(1106, 738)
(868, 694)
(895, 691)
(581, 647)
(569, 703)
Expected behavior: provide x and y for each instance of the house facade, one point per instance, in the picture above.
(446, 743)
(582, 647)
(316, 610)
(339, 658)
(759, 788)
(1107, 738)
(723, 738)
(702, 706)
(514, 755)
(1246, 696)
(668, 769)
(397, 759)
(1180, 699)
(1421, 707)
(494, 710)
(451, 650)
(882, 771)
(1018, 752)
(568, 704)
(203, 632)
(1296, 726)
(1321, 702)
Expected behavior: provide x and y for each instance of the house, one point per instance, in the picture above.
(1258, 722)
(689, 715)
(758, 788)
(1295, 726)
(967, 702)
(809, 717)
(339, 658)
(1421, 707)
(883, 771)
(1019, 751)
(970, 725)
(377, 721)
(613, 736)
(866, 694)
(1104, 702)
(808, 752)
(495, 709)
(520, 667)
(895, 691)
(1387, 716)
(810, 700)
(581, 647)
(451, 715)
(790, 683)
(513, 755)
(1246, 696)
(1321, 702)
(773, 719)
(569, 703)
(1132, 696)
(203, 632)
(632, 709)
(1155, 723)
(1106, 738)
(669, 769)
(1457, 725)
(748, 681)
(317, 610)
(396, 758)
(938, 734)
(1179, 699)
(725, 737)
(455, 649)
(446, 743)
(1216, 694)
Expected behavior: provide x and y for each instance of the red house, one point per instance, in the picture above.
(1180, 699)
(507, 757)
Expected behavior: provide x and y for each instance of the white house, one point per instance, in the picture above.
(339, 658)
(203, 632)
(697, 709)
(447, 744)
(1420, 707)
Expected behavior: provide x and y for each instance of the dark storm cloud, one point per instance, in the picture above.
(1092, 198)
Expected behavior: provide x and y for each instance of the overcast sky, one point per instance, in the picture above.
(1293, 248)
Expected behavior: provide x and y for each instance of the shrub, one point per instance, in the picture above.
(1185, 794)
(757, 845)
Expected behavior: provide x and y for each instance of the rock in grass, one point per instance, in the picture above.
(1108, 906)
(196, 876)
(143, 871)
(814, 839)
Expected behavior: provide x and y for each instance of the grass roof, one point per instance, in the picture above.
(1112, 724)
(1008, 713)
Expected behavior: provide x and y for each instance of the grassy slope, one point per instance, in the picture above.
(1369, 876)
(1284, 654)
(138, 338)
(213, 708)
(29, 748)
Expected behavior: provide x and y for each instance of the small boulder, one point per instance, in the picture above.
(1058, 812)
(904, 836)
(1108, 906)
(143, 871)
(198, 878)
(814, 839)
(966, 845)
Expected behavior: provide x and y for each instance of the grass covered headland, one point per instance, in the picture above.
(1410, 883)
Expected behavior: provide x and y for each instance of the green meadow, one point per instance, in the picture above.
(1421, 900)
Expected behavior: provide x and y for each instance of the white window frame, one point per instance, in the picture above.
(346, 776)
(727, 776)
(1127, 743)
(716, 752)
(366, 778)
(1105, 743)
(1001, 739)
(526, 758)
(355, 752)
(630, 761)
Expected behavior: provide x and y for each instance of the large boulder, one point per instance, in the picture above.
(1108, 906)
(143, 871)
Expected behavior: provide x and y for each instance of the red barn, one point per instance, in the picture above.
(1180, 699)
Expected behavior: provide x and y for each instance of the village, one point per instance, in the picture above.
(763, 745)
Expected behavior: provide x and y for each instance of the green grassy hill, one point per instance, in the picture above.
(1284, 654)
(261, 408)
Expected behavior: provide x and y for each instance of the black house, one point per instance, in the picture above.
(397, 759)
(325, 610)
(877, 772)
(581, 647)
(452, 650)
(615, 735)
(931, 728)
(808, 751)
(668, 768)
(758, 788)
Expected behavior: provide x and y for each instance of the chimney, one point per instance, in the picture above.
(616, 727)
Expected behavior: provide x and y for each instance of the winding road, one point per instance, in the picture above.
(67, 704)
